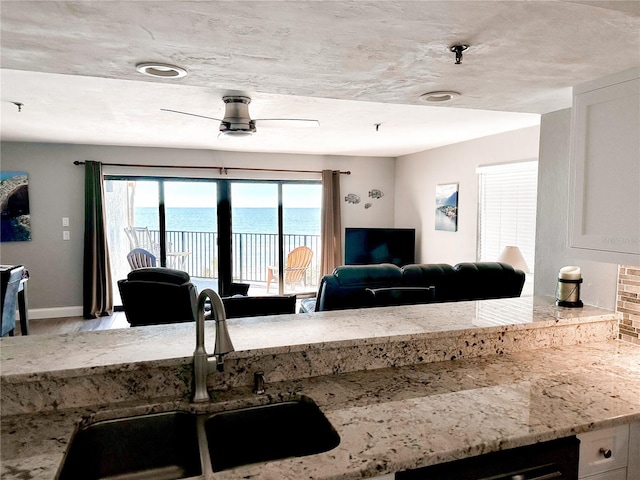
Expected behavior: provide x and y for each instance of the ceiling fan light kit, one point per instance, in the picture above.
(161, 70)
(237, 121)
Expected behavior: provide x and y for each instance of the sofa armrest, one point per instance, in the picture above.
(485, 280)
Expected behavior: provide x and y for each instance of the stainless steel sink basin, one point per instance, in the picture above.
(161, 446)
(269, 432)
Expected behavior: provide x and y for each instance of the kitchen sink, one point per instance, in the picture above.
(268, 432)
(177, 445)
(162, 446)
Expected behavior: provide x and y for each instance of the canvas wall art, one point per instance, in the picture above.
(447, 207)
(14, 207)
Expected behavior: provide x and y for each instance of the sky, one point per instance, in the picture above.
(244, 195)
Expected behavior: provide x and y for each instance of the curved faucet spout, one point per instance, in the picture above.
(223, 345)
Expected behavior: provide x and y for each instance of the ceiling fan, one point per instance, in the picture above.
(237, 120)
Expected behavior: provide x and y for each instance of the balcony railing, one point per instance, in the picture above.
(252, 253)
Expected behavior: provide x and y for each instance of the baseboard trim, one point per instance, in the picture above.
(35, 313)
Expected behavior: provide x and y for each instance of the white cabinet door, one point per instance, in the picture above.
(633, 465)
(605, 171)
(603, 450)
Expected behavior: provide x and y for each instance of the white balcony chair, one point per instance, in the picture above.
(141, 258)
(140, 237)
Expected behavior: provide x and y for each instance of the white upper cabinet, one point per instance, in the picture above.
(604, 209)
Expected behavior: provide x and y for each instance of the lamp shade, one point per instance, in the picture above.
(512, 256)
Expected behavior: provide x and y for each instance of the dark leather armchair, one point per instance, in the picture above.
(152, 296)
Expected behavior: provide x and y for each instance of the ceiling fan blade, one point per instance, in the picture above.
(191, 114)
(293, 122)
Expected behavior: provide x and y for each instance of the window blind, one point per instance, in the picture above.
(507, 209)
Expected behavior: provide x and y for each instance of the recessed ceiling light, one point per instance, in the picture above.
(439, 96)
(161, 70)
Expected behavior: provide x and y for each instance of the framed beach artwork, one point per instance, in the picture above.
(447, 207)
(14, 207)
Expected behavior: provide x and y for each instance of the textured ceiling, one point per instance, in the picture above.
(350, 65)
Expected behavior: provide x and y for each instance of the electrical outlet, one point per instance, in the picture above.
(65, 235)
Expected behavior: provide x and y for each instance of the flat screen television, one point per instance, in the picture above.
(364, 246)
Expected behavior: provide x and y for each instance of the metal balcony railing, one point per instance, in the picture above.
(253, 253)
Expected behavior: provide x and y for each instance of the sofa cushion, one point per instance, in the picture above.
(440, 275)
(370, 275)
(386, 297)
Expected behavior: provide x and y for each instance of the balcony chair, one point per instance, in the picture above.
(140, 237)
(152, 296)
(141, 258)
(295, 270)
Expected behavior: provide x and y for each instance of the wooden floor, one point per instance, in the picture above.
(42, 326)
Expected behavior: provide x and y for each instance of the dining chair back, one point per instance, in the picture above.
(141, 258)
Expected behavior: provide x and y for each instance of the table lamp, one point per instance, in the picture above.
(511, 255)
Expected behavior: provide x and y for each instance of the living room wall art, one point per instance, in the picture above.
(14, 207)
(447, 207)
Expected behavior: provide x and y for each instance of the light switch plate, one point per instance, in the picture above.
(65, 221)
(65, 235)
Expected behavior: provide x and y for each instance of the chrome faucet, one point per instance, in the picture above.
(202, 361)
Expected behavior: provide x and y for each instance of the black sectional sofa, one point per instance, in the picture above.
(361, 286)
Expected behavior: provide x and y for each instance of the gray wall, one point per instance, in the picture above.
(56, 190)
(418, 174)
(600, 279)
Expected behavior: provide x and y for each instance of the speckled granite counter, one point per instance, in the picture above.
(557, 372)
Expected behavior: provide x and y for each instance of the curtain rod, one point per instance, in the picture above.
(223, 170)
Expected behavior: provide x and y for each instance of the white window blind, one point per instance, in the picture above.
(507, 209)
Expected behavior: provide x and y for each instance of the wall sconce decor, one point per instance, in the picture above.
(352, 198)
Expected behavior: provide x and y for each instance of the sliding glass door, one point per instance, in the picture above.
(190, 212)
(173, 220)
(262, 233)
(301, 236)
(254, 227)
(130, 203)
(276, 236)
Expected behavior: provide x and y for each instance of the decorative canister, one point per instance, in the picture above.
(568, 291)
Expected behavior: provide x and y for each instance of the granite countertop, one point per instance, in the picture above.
(286, 333)
(403, 386)
(400, 418)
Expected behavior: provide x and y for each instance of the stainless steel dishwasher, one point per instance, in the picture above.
(552, 460)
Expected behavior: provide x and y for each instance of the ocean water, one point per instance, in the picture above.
(300, 221)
